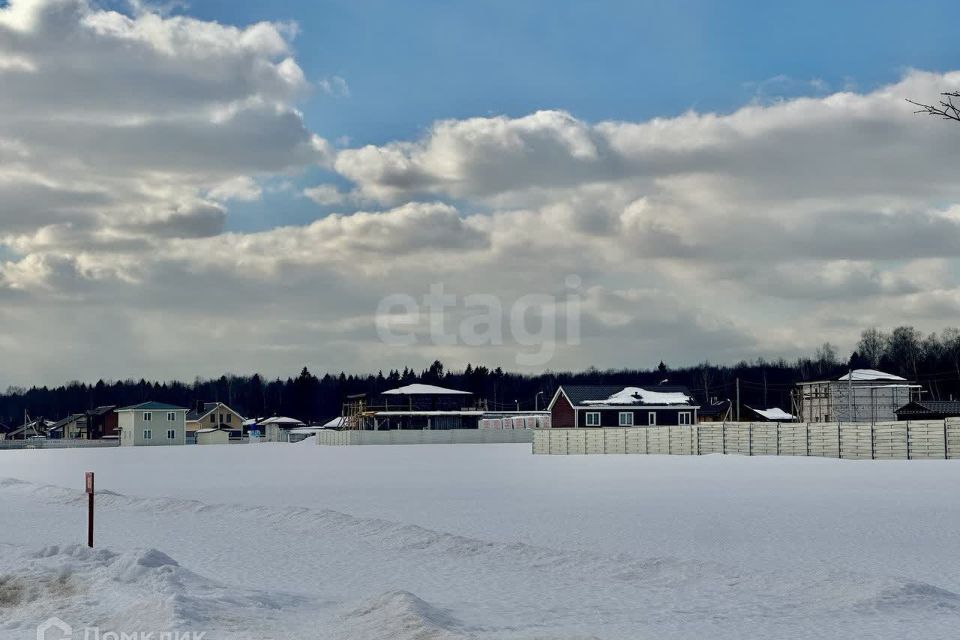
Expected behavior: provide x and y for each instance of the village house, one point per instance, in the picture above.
(862, 395)
(152, 424)
(277, 428)
(929, 410)
(582, 406)
(214, 415)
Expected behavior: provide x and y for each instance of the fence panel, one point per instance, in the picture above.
(763, 439)
(710, 438)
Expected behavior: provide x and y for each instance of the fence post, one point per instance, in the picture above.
(873, 446)
(723, 437)
(945, 456)
(908, 439)
(749, 438)
(778, 438)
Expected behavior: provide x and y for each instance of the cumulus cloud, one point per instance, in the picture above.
(126, 139)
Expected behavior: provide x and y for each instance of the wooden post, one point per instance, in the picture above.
(89, 487)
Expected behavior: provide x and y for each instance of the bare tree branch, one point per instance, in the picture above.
(945, 109)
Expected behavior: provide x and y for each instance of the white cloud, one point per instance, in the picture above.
(334, 86)
(126, 138)
(325, 194)
(242, 188)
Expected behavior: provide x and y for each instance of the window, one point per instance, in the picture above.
(171, 434)
(593, 419)
(652, 418)
(626, 419)
(684, 417)
(147, 434)
(147, 416)
(229, 418)
(171, 416)
(213, 418)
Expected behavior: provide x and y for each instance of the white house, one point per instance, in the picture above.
(863, 395)
(152, 424)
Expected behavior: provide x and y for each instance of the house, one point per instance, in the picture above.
(102, 422)
(862, 395)
(581, 406)
(716, 411)
(415, 406)
(72, 427)
(774, 414)
(277, 429)
(152, 424)
(214, 415)
(929, 410)
(212, 435)
(30, 429)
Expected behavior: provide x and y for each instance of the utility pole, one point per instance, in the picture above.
(738, 399)
(850, 395)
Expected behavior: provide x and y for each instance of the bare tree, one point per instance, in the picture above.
(945, 108)
(872, 346)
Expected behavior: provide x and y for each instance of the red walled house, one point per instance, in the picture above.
(589, 406)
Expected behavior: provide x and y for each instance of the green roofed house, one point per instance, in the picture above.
(152, 424)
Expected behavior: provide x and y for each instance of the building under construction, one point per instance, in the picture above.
(415, 406)
(862, 395)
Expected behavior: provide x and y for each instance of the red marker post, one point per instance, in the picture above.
(89, 484)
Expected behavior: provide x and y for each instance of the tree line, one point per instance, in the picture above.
(933, 360)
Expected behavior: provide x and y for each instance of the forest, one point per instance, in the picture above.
(932, 360)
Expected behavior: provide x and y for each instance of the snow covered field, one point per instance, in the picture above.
(485, 541)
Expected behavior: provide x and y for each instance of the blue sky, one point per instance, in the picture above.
(603, 140)
(408, 64)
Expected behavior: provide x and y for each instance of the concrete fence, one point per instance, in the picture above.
(61, 443)
(451, 436)
(939, 439)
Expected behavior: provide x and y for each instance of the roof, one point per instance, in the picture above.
(424, 390)
(715, 409)
(213, 429)
(773, 413)
(335, 422)
(467, 412)
(282, 420)
(152, 406)
(620, 395)
(941, 407)
(60, 424)
(306, 430)
(99, 411)
(208, 408)
(869, 375)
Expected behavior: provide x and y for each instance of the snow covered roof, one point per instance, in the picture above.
(306, 430)
(424, 390)
(774, 414)
(211, 430)
(639, 395)
(282, 420)
(336, 422)
(865, 375)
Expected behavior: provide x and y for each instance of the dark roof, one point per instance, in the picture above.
(580, 393)
(939, 407)
(152, 406)
(71, 418)
(99, 411)
(717, 409)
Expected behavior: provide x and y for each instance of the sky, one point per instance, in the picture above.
(189, 189)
